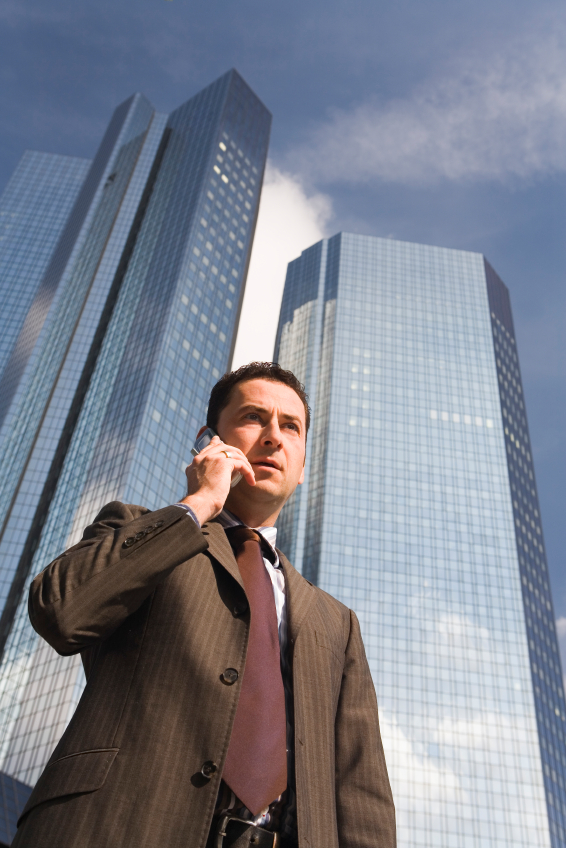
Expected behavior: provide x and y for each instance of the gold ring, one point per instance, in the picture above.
(228, 454)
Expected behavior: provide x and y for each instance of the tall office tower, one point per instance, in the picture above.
(125, 280)
(419, 510)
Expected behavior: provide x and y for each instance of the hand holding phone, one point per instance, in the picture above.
(214, 471)
(205, 439)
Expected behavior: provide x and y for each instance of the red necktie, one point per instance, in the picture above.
(256, 763)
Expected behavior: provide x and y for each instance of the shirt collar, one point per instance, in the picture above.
(228, 519)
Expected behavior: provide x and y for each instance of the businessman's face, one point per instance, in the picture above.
(266, 420)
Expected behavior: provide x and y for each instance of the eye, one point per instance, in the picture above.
(253, 416)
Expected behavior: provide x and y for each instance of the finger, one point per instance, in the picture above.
(238, 459)
(222, 454)
(231, 452)
(217, 450)
(243, 466)
(235, 453)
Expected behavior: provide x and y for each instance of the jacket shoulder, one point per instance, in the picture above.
(121, 512)
(333, 603)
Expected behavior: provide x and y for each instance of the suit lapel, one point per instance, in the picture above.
(300, 593)
(219, 547)
(300, 597)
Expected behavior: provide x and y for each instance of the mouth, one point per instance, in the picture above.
(266, 463)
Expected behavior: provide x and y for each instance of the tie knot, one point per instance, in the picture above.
(238, 535)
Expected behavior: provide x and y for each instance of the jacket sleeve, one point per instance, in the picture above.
(364, 803)
(87, 592)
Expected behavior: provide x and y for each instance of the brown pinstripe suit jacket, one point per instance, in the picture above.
(157, 622)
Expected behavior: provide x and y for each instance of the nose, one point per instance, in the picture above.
(271, 436)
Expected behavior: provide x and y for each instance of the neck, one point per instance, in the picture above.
(253, 515)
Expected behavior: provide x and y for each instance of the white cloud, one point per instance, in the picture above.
(487, 731)
(492, 116)
(289, 221)
(450, 760)
(416, 775)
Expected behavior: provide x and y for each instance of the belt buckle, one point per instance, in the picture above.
(225, 821)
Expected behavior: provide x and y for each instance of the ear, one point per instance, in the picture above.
(302, 477)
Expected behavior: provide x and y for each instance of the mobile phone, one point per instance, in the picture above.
(205, 439)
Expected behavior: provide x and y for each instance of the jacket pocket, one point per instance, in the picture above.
(84, 771)
(323, 641)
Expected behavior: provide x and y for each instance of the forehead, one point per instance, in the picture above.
(269, 394)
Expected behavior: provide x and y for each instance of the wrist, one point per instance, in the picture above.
(200, 509)
(186, 508)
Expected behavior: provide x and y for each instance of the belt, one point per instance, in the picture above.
(231, 832)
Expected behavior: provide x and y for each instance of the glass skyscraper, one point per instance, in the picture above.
(419, 510)
(122, 280)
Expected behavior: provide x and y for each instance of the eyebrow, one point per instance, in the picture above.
(252, 406)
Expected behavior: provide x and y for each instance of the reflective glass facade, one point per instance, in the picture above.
(138, 314)
(34, 209)
(419, 511)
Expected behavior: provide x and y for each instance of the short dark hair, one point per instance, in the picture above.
(220, 394)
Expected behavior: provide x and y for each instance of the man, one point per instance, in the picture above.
(228, 700)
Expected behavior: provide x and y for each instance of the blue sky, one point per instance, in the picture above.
(441, 122)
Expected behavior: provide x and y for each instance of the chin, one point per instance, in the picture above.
(269, 487)
(266, 485)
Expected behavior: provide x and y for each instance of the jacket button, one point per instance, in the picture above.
(129, 542)
(149, 528)
(229, 676)
(240, 608)
(139, 536)
(208, 769)
(159, 523)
